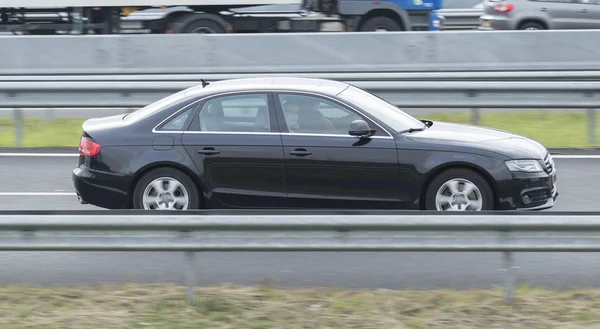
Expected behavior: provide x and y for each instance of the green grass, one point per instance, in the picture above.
(551, 129)
(556, 129)
(264, 307)
(40, 133)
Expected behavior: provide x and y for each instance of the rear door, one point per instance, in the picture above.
(590, 14)
(234, 143)
(561, 14)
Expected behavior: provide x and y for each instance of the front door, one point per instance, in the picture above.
(328, 168)
(235, 145)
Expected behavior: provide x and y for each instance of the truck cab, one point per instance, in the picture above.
(382, 15)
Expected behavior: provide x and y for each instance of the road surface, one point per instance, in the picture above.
(44, 183)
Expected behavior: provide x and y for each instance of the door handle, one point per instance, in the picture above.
(584, 10)
(544, 9)
(300, 152)
(208, 151)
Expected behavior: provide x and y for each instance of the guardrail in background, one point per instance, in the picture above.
(302, 52)
(461, 18)
(331, 231)
(414, 94)
(570, 75)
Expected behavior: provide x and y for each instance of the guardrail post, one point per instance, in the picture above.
(49, 115)
(508, 276)
(592, 126)
(190, 277)
(18, 126)
(475, 119)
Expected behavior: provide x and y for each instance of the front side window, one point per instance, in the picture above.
(380, 108)
(315, 115)
(234, 113)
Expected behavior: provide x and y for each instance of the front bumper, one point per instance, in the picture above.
(535, 191)
(547, 205)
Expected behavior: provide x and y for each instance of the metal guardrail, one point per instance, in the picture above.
(416, 94)
(474, 95)
(461, 18)
(277, 231)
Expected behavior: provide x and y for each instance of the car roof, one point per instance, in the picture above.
(323, 86)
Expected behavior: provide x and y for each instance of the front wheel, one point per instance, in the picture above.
(459, 190)
(166, 189)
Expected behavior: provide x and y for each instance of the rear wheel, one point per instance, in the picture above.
(459, 190)
(166, 189)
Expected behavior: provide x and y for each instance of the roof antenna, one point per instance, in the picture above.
(204, 83)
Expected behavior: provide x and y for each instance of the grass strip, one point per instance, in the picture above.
(264, 306)
(551, 129)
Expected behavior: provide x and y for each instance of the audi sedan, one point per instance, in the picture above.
(303, 143)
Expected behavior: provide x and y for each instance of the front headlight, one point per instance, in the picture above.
(524, 166)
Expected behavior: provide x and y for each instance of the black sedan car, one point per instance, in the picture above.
(303, 143)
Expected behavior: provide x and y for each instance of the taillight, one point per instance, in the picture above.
(504, 7)
(88, 147)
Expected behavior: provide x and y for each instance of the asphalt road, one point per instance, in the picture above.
(49, 177)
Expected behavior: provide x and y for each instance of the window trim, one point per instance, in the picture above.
(276, 108)
(344, 105)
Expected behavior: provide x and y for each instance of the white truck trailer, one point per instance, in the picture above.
(214, 16)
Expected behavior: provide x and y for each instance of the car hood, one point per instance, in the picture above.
(475, 138)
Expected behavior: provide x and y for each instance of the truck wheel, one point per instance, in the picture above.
(381, 23)
(200, 23)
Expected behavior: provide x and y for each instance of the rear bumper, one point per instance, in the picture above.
(100, 189)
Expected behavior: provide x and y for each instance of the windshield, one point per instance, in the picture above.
(156, 106)
(380, 108)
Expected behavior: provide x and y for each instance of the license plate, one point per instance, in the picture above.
(554, 179)
(486, 23)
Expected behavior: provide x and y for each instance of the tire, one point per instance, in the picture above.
(199, 23)
(186, 187)
(532, 26)
(372, 24)
(482, 191)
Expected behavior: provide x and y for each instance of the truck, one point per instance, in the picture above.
(46, 17)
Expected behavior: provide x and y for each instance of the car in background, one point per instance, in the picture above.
(540, 15)
(303, 143)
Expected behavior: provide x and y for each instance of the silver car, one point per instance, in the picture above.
(540, 15)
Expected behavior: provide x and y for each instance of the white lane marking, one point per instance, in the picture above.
(39, 154)
(38, 194)
(558, 156)
(555, 156)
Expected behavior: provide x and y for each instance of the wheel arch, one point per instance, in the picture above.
(163, 164)
(436, 171)
(532, 20)
(389, 13)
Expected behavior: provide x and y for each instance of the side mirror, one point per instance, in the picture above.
(361, 129)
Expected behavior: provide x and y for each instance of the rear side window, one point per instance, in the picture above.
(177, 122)
(248, 112)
